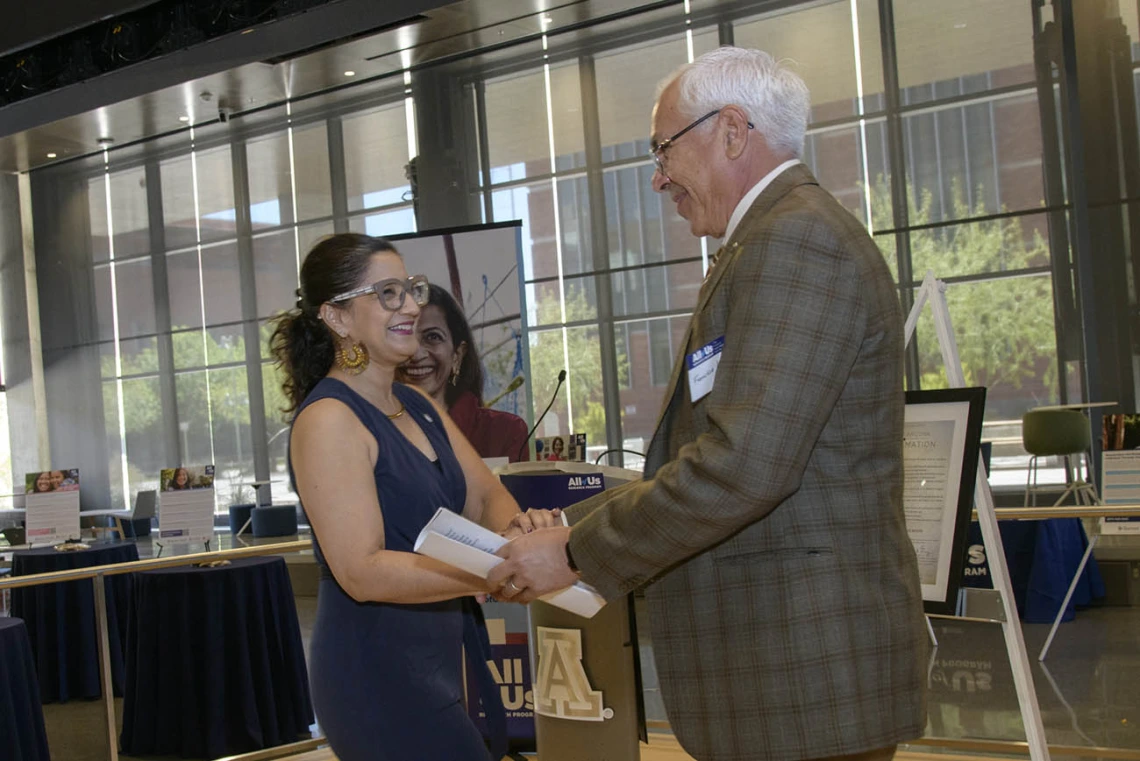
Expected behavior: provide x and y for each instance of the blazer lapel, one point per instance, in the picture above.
(780, 186)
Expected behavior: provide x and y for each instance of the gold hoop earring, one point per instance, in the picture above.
(353, 363)
(455, 375)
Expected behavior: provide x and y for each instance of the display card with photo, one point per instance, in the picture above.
(186, 504)
(52, 504)
(570, 448)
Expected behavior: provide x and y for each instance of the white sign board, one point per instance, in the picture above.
(1120, 485)
(52, 506)
(186, 505)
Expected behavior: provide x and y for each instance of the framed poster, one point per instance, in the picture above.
(941, 444)
(478, 266)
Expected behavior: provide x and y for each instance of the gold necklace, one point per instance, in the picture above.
(396, 414)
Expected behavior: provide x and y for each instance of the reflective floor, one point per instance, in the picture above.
(1088, 688)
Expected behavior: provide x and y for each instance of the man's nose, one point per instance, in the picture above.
(659, 181)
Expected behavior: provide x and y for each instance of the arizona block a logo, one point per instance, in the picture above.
(562, 689)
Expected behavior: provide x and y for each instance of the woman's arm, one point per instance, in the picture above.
(333, 460)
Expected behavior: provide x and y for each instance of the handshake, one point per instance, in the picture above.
(527, 561)
(535, 560)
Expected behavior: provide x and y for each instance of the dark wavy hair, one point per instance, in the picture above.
(470, 369)
(301, 343)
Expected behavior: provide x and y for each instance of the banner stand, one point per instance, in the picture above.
(933, 291)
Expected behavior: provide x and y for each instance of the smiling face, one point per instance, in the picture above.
(437, 358)
(695, 166)
(43, 482)
(181, 478)
(389, 336)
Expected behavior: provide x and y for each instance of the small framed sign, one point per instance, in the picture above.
(941, 445)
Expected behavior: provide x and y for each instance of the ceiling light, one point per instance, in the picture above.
(350, 73)
(547, 20)
(246, 31)
(184, 118)
(960, 26)
(51, 155)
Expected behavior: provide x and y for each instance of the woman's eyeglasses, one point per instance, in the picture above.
(392, 292)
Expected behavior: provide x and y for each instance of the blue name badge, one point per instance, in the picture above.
(702, 365)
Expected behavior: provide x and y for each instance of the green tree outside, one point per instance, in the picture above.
(1003, 328)
(584, 374)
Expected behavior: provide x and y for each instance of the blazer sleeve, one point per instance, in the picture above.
(793, 330)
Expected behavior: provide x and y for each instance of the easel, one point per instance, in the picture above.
(934, 292)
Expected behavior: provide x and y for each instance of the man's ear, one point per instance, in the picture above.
(737, 132)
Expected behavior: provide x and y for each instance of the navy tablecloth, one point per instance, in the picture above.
(215, 664)
(61, 618)
(1042, 557)
(22, 735)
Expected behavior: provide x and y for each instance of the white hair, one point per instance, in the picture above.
(773, 96)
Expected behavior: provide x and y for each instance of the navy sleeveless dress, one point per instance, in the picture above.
(387, 678)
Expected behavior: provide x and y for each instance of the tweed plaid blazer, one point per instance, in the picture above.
(768, 531)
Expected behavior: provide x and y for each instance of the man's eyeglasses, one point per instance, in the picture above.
(657, 151)
(392, 292)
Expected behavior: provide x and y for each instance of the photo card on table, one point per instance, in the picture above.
(569, 448)
(186, 504)
(52, 506)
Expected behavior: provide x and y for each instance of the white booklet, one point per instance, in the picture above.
(452, 539)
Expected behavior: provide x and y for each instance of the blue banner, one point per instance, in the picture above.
(551, 490)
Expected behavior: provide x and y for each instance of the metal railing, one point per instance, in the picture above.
(97, 574)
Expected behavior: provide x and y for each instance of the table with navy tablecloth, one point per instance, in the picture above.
(215, 664)
(1042, 557)
(22, 735)
(61, 618)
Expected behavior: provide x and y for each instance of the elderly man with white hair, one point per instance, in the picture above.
(768, 531)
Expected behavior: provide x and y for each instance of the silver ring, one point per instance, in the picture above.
(511, 584)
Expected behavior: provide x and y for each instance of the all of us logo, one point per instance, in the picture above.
(593, 483)
(512, 680)
(562, 689)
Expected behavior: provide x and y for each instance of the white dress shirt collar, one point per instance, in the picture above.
(751, 196)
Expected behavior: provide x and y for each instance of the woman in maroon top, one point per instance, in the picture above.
(447, 367)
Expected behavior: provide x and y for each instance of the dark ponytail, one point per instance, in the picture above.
(301, 342)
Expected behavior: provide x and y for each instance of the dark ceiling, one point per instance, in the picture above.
(284, 61)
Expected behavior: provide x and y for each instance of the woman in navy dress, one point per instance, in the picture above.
(372, 460)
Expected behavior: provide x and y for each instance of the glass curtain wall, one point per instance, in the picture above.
(284, 180)
(940, 157)
(971, 160)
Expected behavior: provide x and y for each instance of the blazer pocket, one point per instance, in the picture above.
(781, 554)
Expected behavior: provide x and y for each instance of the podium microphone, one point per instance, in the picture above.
(526, 442)
(514, 385)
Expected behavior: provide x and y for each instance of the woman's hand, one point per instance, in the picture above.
(528, 521)
(488, 592)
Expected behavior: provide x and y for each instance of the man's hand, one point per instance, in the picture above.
(535, 565)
